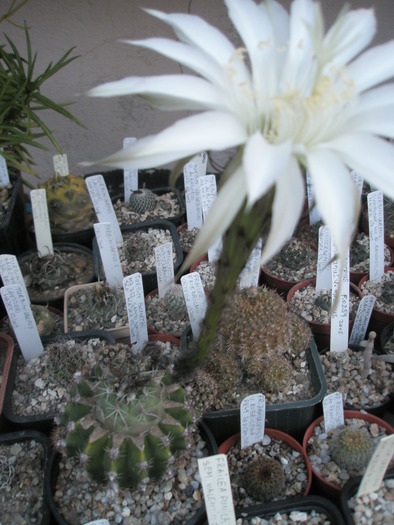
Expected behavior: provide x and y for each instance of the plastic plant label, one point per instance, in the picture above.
(135, 304)
(314, 215)
(339, 329)
(11, 273)
(208, 195)
(323, 273)
(98, 522)
(42, 226)
(4, 175)
(358, 181)
(191, 174)
(195, 299)
(22, 320)
(102, 203)
(333, 411)
(376, 235)
(218, 498)
(377, 466)
(361, 321)
(109, 254)
(250, 274)
(252, 420)
(164, 267)
(60, 164)
(130, 175)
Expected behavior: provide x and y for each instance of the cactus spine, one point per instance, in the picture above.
(264, 479)
(175, 302)
(351, 448)
(142, 201)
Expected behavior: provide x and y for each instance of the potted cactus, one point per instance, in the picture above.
(383, 290)
(344, 452)
(169, 314)
(261, 346)
(127, 427)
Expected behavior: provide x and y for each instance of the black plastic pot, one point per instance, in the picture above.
(13, 231)
(349, 490)
(149, 278)
(41, 422)
(56, 297)
(302, 504)
(31, 435)
(176, 219)
(292, 418)
(53, 470)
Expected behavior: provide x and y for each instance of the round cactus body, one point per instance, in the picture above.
(69, 204)
(175, 302)
(264, 479)
(141, 201)
(124, 422)
(351, 448)
(43, 318)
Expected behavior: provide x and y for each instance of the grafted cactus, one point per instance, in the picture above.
(126, 419)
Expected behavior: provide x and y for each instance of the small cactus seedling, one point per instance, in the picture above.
(264, 479)
(295, 255)
(142, 201)
(44, 319)
(174, 301)
(126, 421)
(69, 204)
(351, 448)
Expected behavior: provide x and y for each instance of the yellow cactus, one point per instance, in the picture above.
(69, 204)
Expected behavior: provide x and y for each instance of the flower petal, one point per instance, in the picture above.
(263, 163)
(165, 91)
(336, 196)
(375, 98)
(221, 214)
(371, 157)
(286, 210)
(184, 54)
(374, 66)
(212, 130)
(348, 36)
(378, 121)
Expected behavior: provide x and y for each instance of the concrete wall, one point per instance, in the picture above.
(94, 27)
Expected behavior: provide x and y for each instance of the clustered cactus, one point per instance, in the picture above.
(69, 204)
(142, 201)
(126, 419)
(351, 448)
(258, 337)
(264, 479)
(174, 301)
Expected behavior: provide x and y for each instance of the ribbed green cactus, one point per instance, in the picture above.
(174, 301)
(264, 479)
(126, 419)
(142, 200)
(351, 448)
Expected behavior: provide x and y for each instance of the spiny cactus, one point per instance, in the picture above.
(323, 300)
(69, 204)
(264, 479)
(174, 301)
(142, 200)
(135, 249)
(102, 303)
(126, 420)
(257, 337)
(296, 255)
(44, 319)
(351, 448)
(359, 251)
(48, 272)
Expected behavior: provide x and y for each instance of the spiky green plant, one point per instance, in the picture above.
(21, 100)
(264, 479)
(44, 319)
(142, 200)
(126, 420)
(351, 448)
(174, 301)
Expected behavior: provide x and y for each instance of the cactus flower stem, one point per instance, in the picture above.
(238, 242)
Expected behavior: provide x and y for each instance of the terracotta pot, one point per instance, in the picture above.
(280, 436)
(379, 319)
(321, 331)
(328, 488)
(6, 352)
